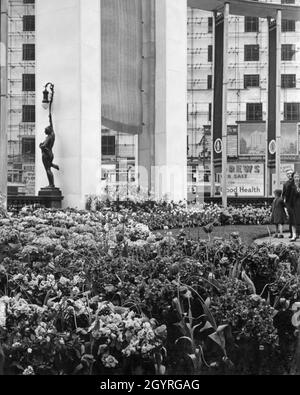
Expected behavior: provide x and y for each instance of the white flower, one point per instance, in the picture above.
(75, 291)
(2, 313)
(63, 281)
(16, 345)
(109, 361)
(29, 371)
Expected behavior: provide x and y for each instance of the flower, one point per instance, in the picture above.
(2, 313)
(109, 361)
(29, 371)
(75, 291)
(17, 345)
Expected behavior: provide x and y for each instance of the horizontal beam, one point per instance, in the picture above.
(249, 8)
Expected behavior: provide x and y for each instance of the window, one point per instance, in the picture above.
(210, 25)
(288, 81)
(28, 1)
(28, 23)
(12, 191)
(28, 82)
(28, 146)
(210, 53)
(209, 112)
(251, 24)
(28, 113)
(288, 52)
(251, 80)
(15, 177)
(287, 1)
(288, 26)
(209, 82)
(28, 52)
(108, 145)
(251, 53)
(254, 112)
(292, 111)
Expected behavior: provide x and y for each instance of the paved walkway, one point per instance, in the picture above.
(272, 240)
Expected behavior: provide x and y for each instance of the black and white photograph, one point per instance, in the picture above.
(149, 191)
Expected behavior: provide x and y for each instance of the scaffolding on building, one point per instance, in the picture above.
(20, 161)
(200, 38)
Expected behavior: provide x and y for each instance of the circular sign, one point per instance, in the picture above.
(218, 146)
(272, 147)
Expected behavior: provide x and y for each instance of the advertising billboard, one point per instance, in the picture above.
(289, 139)
(252, 139)
(245, 180)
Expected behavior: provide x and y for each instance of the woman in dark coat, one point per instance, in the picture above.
(278, 213)
(295, 207)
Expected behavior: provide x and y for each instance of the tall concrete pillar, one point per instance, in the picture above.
(146, 140)
(3, 102)
(68, 54)
(171, 99)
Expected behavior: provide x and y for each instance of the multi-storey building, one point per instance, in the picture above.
(247, 99)
(248, 68)
(21, 97)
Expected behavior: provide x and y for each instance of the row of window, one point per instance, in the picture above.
(252, 25)
(253, 80)
(108, 146)
(251, 52)
(254, 112)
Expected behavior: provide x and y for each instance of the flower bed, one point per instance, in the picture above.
(159, 215)
(93, 293)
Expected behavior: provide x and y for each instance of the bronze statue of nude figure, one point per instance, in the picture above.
(47, 153)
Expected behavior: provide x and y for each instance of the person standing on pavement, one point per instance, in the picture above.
(278, 214)
(287, 198)
(295, 206)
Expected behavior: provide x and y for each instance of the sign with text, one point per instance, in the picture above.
(245, 179)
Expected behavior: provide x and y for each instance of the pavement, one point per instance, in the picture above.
(275, 241)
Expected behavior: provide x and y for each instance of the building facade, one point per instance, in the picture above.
(248, 68)
(247, 104)
(21, 97)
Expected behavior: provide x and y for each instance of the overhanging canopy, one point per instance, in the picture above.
(249, 8)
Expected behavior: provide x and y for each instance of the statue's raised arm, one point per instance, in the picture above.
(50, 121)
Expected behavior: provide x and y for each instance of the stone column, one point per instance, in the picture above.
(68, 54)
(146, 147)
(171, 99)
(3, 102)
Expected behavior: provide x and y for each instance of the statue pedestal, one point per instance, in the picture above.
(52, 196)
